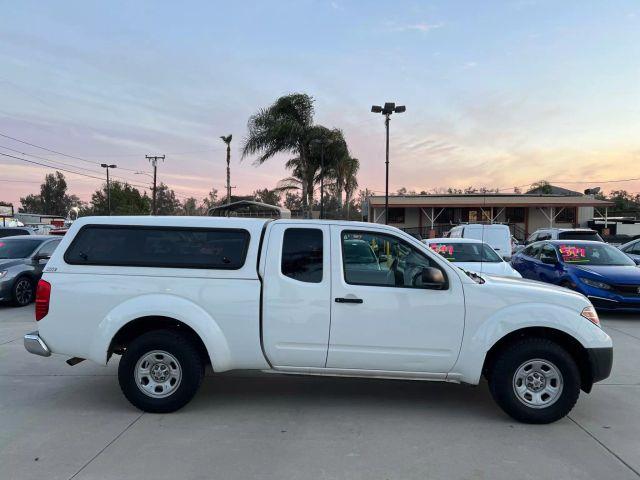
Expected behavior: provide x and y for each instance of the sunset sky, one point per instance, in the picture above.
(498, 94)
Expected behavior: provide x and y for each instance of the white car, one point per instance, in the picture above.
(497, 235)
(171, 295)
(472, 255)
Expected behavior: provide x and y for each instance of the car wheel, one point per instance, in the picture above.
(535, 381)
(23, 292)
(160, 371)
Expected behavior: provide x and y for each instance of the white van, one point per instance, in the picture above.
(496, 235)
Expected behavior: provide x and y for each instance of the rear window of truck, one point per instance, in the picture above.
(160, 247)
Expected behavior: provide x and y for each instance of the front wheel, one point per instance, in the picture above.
(160, 371)
(535, 381)
(23, 292)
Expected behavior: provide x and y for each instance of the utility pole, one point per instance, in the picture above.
(107, 166)
(227, 140)
(154, 163)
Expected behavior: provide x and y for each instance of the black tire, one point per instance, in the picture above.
(23, 291)
(172, 348)
(502, 380)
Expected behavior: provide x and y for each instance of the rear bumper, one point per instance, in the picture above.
(34, 344)
(600, 361)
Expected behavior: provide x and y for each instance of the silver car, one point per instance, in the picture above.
(22, 260)
(632, 249)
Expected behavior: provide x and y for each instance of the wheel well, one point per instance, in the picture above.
(575, 349)
(142, 325)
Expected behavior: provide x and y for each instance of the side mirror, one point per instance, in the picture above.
(41, 259)
(382, 258)
(433, 278)
(548, 259)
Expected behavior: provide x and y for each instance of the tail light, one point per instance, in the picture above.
(43, 293)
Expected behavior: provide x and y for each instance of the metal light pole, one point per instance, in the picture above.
(107, 166)
(387, 110)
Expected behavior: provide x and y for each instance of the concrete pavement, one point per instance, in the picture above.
(61, 422)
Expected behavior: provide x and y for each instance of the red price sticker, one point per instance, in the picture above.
(442, 249)
(572, 253)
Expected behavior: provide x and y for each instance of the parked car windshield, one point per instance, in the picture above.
(593, 254)
(17, 248)
(358, 251)
(466, 252)
(577, 235)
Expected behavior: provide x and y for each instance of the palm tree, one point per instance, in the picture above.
(350, 180)
(227, 140)
(285, 126)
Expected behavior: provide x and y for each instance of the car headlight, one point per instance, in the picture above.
(590, 314)
(2, 273)
(596, 284)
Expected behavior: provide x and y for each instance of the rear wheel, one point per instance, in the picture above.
(535, 381)
(160, 371)
(23, 292)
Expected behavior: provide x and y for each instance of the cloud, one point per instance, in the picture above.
(420, 27)
(336, 6)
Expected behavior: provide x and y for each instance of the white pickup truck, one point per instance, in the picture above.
(172, 295)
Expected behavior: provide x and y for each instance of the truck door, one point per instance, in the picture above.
(296, 294)
(382, 318)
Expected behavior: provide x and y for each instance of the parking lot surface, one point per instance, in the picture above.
(61, 422)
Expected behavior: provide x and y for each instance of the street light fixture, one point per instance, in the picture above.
(107, 166)
(387, 110)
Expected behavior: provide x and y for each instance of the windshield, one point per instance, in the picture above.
(584, 235)
(593, 254)
(17, 248)
(358, 251)
(466, 252)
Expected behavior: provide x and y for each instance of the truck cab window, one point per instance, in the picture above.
(382, 260)
(302, 254)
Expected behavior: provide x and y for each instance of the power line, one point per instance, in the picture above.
(54, 151)
(58, 162)
(50, 166)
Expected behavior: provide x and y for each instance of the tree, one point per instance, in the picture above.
(189, 207)
(227, 141)
(542, 186)
(272, 197)
(125, 200)
(166, 201)
(209, 202)
(350, 180)
(292, 201)
(284, 127)
(53, 198)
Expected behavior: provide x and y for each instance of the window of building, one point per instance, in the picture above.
(515, 215)
(396, 215)
(302, 254)
(566, 215)
(162, 247)
(382, 260)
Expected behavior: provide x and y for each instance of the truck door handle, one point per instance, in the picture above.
(348, 300)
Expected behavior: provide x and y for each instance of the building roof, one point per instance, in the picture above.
(489, 200)
(554, 191)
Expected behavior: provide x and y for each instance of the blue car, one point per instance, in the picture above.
(608, 277)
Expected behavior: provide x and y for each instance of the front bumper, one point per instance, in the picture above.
(600, 361)
(34, 344)
(615, 303)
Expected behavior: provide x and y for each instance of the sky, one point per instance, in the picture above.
(498, 93)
